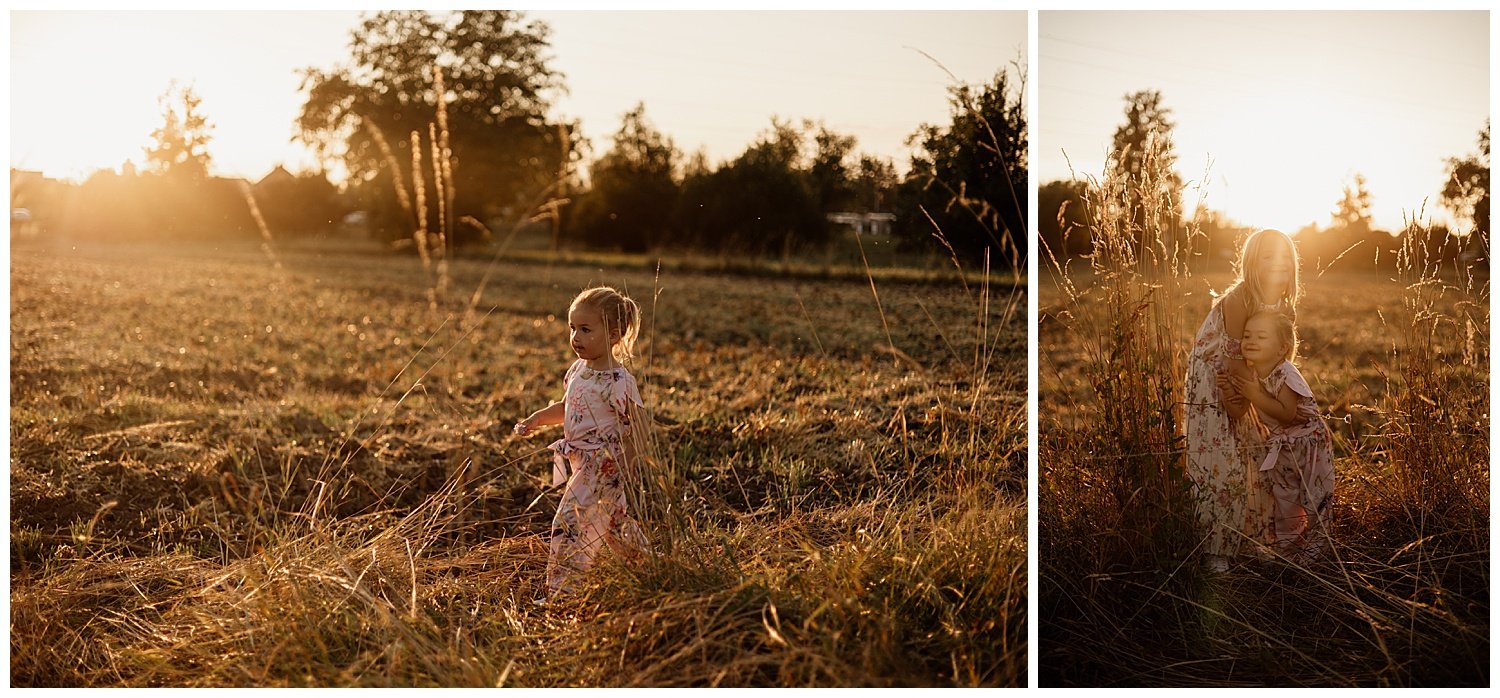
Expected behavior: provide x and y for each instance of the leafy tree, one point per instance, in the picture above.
(177, 198)
(1351, 238)
(874, 184)
(1143, 156)
(1147, 127)
(1467, 191)
(1353, 211)
(761, 202)
(970, 177)
(497, 87)
(179, 149)
(634, 188)
(829, 170)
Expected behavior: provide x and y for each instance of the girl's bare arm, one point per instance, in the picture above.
(1230, 398)
(547, 416)
(1281, 407)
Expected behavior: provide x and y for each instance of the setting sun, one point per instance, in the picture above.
(1274, 112)
(85, 85)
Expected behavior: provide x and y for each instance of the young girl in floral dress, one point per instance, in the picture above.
(1222, 447)
(596, 412)
(1298, 464)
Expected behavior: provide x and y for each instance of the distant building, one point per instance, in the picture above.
(277, 176)
(27, 190)
(864, 223)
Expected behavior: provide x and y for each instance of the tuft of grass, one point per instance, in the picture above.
(1437, 422)
(1123, 463)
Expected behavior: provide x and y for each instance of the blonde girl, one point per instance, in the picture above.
(1297, 469)
(596, 413)
(1221, 446)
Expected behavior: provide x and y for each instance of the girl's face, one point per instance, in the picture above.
(1263, 343)
(587, 334)
(1275, 264)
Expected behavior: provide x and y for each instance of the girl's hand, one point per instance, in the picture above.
(523, 427)
(1226, 387)
(1246, 385)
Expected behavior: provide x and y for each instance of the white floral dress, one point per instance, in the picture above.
(1299, 466)
(1232, 501)
(592, 511)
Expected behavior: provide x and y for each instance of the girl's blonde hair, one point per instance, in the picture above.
(1286, 328)
(1248, 273)
(620, 313)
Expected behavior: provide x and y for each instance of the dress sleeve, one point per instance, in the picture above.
(622, 393)
(1294, 380)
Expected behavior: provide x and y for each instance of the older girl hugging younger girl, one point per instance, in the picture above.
(1222, 446)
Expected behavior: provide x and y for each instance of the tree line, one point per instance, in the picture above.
(1348, 240)
(444, 122)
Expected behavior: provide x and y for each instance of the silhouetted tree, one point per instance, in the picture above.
(1144, 154)
(1146, 119)
(181, 200)
(179, 148)
(1467, 194)
(761, 202)
(1353, 210)
(971, 176)
(633, 188)
(1351, 237)
(832, 179)
(497, 87)
(874, 184)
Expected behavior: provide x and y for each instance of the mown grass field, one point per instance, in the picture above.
(226, 471)
(1403, 598)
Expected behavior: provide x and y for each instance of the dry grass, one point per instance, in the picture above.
(225, 474)
(1400, 370)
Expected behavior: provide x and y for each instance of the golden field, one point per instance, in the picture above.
(231, 467)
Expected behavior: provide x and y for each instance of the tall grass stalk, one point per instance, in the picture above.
(419, 187)
(1127, 325)
(1437, 417)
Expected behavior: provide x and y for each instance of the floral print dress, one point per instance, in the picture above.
(1233, 504)
(588, 458)
(1298, 466)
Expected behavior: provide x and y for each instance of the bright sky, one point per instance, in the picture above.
(1286, 105)
(84, 85)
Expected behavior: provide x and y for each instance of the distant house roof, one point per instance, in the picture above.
(276, 175)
